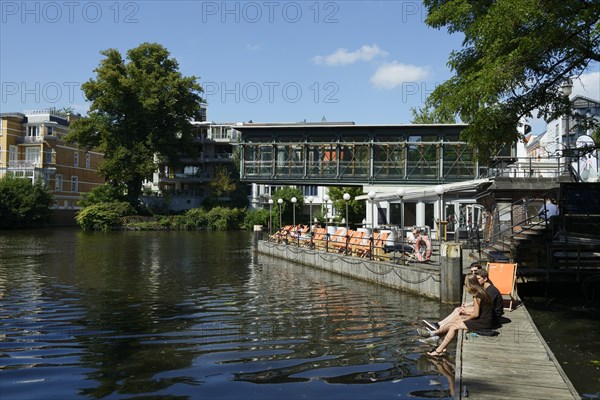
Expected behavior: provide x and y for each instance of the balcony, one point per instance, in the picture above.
(187, 178)
(24, 164)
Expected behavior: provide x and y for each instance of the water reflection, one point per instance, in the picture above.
(197, 314)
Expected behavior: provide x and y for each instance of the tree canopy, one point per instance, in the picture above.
(427, 115)
(23, 204)
(356, 208)
(140, 108)
(516, 54)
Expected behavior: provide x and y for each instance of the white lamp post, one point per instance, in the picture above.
(346, 199)
(401, 192)
(270, 217)
(310, 223)
(372, 196)
(326, 200)
(439, 190)
(294, 200)
(280, 202)
(566, 89)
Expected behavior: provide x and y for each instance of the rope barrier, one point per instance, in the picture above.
(335, 257)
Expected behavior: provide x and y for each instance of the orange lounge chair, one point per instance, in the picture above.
(337, 238)
(378, 244)
(504, 277)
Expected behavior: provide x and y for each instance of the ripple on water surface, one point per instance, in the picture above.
(158, 321)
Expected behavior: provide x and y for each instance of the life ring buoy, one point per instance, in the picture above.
(423, 248)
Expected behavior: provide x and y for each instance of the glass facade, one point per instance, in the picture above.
(355, 154)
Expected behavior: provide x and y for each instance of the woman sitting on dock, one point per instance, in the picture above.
(480, 318)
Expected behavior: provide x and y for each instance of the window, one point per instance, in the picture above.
(74, 184)
(12, 154)
(49, 130)
(32, 155)
(58, 183)
(76, 159)
(87, 160)
(33, 131)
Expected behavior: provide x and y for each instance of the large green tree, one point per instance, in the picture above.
(140, 108)
(514, 58)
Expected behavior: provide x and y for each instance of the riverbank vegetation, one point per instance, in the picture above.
(24, 205)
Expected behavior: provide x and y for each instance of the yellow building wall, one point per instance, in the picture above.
(55, 153)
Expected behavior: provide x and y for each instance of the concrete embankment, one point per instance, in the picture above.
(423, 279)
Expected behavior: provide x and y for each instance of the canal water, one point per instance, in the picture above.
(197, 315)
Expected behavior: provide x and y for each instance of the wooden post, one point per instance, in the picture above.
(451, 272)
(257, 235)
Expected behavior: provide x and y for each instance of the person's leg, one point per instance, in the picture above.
(451, 317)
(449, 331)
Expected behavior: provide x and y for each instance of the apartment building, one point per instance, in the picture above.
(32, 147)
(564, 138)
(185, 183)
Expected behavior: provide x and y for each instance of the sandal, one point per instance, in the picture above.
(435, 353)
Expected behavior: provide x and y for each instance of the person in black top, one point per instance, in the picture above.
(480, 318)
(458, 312)
(484, 280)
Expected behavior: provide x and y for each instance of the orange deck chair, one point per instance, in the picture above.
(504, 277)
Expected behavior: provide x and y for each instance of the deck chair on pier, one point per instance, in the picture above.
(338, 238)
(318, 241)
(504, 277)
(378, 245)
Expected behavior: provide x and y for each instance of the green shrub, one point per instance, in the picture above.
(103, 216)
(195, 218)
(23, 204)
(256, 217)
(222, 219)
(102, 194)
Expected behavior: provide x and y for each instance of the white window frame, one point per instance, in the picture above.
(74, 184)
(76, 159)
(58, 183)
(87, 160)
(33, 155)
(33, 131)
(13, 154)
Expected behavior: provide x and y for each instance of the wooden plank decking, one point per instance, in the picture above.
(517, 364)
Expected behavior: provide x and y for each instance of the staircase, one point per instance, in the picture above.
(540, 248)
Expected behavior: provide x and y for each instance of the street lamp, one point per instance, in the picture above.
(294, 200)
(372, 196)
(401, 192)
(439, 190)
(280, 202)
(346, 199)
(310, 223)
(566, 89)
(270, 217)
(326, 200)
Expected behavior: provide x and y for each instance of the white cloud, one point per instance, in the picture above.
(587, 85)
(253, 47)
(344, 57)
(390, 75)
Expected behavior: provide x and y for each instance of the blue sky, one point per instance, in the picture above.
(362, 61)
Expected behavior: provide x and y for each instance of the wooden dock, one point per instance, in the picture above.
(517, 364)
